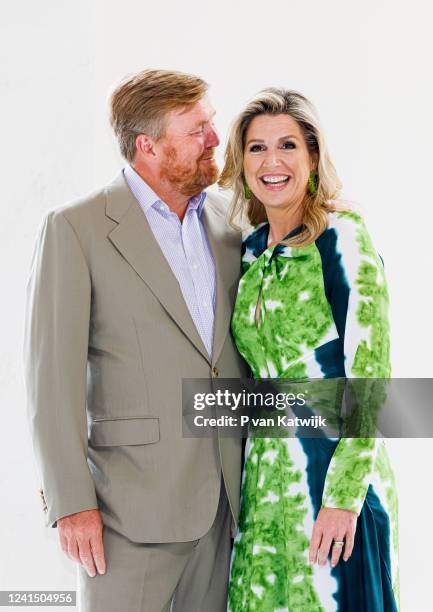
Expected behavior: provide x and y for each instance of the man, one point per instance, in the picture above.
(135, 285)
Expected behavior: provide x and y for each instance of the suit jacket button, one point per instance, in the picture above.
(215, 372)
(44, 503)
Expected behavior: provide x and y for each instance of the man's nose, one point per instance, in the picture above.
(212, 139)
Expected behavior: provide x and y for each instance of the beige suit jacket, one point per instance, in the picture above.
(108, 340)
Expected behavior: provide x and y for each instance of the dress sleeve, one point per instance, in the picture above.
(364, 330)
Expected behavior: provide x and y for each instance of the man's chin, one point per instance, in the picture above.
(201, 181)
(211, 177)
(212, 173)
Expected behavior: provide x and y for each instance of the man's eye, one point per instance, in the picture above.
(256, 148)
(198, 131)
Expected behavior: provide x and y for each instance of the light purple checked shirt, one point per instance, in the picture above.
(186, 249)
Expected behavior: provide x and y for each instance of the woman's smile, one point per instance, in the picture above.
(275, 182)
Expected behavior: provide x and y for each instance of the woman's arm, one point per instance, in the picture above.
(359, 299)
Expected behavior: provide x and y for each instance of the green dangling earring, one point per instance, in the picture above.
(313, 181)
(247, 191)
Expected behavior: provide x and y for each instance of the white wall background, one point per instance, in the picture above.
(366, 67)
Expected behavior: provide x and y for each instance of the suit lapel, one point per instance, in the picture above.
(226, 249)
(134, 240)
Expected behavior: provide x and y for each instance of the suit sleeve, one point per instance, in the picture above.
(55, 347)
(365, 329)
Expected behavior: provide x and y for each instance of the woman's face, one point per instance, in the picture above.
(277, 162)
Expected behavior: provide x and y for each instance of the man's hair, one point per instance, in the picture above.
(140, 103)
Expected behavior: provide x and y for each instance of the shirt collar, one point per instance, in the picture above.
(147, 198)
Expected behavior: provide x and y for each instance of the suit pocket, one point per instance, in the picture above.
(132, 431)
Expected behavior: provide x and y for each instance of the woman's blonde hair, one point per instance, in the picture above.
(274, 101)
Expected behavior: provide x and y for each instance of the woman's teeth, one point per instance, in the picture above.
(275, 179)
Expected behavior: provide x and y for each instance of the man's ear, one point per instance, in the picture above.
(145, 146)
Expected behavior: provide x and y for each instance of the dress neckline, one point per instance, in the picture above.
(261, 239)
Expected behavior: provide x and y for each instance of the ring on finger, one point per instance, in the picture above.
(338, 543)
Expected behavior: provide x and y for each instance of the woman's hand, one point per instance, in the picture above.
(332, 525)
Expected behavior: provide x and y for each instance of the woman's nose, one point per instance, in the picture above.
(271, 158)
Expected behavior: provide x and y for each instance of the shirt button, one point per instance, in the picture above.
(215, 372)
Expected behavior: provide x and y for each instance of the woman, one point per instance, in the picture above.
(318, 524)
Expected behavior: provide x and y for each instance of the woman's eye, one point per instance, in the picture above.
(255, 148)
(289, 145)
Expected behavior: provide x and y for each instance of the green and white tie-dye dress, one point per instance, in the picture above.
(322, 314)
